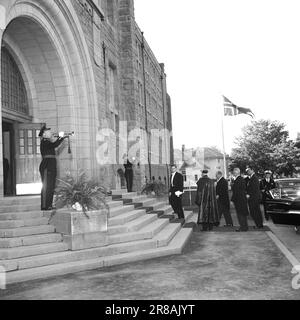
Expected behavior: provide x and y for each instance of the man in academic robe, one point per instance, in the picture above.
(254, 198)
(48, 166)
(206, 200)
(223, 199)
(266, 184)
(239, 199)
(176, 191)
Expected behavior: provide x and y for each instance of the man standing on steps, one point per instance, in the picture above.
(176, 191)
(254, 198)
(223, 199)
(48, 166)
(239, 199)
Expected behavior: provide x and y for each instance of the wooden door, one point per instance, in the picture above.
(28, 158)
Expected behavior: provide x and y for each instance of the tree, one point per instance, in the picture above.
(265, 144)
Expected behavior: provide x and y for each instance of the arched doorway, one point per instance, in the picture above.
(50, 51)
(14, 102)
(34, 90)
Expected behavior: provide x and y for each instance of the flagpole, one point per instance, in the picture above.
(223, 140)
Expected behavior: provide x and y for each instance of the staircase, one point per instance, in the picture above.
(139, 228)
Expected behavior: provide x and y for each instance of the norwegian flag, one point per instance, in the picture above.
(230, 109)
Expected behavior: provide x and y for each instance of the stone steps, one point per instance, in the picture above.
(175, 246)
(30, 248)
(9, 201)
(30, 240)
(132, 225)
(146, 232)
(164, 210)
(19, 208)
(21, 215)
(120, 210)
(144, 240)
(26, 231)
(125, 217)
(11, 224)
(118, 192)
(35, 250)
(158, 205)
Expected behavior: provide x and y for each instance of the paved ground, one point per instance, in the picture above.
(215, 265)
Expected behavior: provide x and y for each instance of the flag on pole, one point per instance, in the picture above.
(230, 109)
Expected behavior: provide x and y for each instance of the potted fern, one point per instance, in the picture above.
(155, 188)
(82, 212)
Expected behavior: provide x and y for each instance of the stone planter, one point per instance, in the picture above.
(79, 231)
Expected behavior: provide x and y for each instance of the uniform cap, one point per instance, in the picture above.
(43, 129)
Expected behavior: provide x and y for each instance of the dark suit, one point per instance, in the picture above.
(176, 202)
(223, 200)
(129, 175)
(239, 199)
(253, 190)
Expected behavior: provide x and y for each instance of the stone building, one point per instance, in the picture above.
(82, 66)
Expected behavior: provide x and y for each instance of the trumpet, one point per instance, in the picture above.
(62, 134)
(65, 136)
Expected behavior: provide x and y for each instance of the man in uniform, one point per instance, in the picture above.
(48, 166)
(266, 184)
(176, 191)
(207, 202)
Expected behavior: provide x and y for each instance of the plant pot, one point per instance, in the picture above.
(79, 231)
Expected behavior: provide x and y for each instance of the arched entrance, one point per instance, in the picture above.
(52, 62)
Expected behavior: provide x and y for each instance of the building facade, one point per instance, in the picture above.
(82, 66)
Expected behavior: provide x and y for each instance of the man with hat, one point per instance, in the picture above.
(266, 184)
(48, 166)
(207, 202)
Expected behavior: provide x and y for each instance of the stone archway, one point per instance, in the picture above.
(50, 50)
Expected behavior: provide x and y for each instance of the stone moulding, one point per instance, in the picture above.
(80, 232)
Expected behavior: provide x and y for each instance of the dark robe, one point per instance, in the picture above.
(207, 202)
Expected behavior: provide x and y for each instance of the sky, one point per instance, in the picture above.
(247, 50)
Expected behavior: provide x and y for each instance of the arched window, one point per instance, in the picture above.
(14, 96)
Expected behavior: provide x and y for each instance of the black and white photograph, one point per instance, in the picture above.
(150, 152)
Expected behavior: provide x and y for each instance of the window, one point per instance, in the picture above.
(111, 84)
(110, 11)
(14, 96)
(141, 93)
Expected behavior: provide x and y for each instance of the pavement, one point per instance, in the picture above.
(215, 265)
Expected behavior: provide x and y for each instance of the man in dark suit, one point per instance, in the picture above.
(239, 199)
(266, 184)
(223, 199)
(254, 198)
(176, 191)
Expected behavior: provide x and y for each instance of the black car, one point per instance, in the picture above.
(283, 203)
